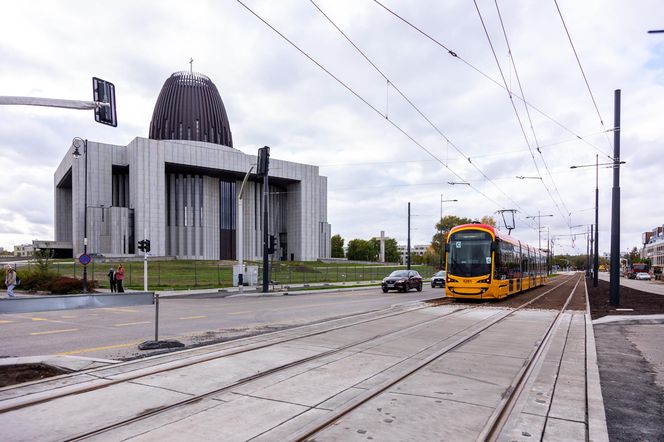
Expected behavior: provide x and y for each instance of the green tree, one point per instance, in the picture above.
(362, 250)
(488, 219)
(445, 225)
(337, 246)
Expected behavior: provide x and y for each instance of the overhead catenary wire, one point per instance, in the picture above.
(530, 120)
(413, 105)
(488, 77)
(516, 112)
(583, 73)
(362, 99)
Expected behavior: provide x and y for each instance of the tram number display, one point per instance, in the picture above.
(467, 281)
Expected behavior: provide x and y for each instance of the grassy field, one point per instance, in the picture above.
(184, 274)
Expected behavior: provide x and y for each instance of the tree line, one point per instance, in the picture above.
(369, 250)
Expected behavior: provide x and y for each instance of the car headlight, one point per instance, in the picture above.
(401, 280)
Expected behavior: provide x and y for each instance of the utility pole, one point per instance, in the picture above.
(615, 206)
(262, 169)
(442, 246)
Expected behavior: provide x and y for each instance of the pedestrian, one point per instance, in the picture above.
(10, 280)
(111, 280)
(119, 279)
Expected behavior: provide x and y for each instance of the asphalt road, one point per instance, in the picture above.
(645, 286)
(114, 333)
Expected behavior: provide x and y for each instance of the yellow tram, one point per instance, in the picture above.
(483, 263)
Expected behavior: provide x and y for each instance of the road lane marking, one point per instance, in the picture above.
(39, 319)
(240, 313)
(132, 323)
(120, 310)
(5, 322)
(94, 349)
(53, 331)
(193, 317)
(68, 317)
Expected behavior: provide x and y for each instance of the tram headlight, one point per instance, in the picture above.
(484, 281)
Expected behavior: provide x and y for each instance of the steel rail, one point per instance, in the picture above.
(196, 398)
(501, 414)
(324, 421)
(36, 398)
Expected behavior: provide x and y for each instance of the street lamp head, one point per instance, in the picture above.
(453, 183)
(76, 143)
(529, 177)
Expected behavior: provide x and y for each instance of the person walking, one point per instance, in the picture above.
(111, 280)
(119, 279)
(10, 280)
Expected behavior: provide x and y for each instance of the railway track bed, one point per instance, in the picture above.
(448, 372)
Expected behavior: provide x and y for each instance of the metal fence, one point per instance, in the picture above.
(164, 275)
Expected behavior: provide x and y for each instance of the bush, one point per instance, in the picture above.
(64, 284)
(36, 279)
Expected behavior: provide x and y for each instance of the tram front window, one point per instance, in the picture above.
(470, 254)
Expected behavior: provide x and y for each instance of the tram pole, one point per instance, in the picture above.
(615, 207)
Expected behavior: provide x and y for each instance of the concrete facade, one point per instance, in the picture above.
(182, 195)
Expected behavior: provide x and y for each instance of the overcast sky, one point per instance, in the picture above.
(378, 158)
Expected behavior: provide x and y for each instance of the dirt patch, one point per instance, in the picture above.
(642, 303)
(18, 374)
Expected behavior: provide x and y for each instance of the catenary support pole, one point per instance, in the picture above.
(615, 207)
(596, 251)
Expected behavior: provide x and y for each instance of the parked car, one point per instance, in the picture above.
(402, 280)
(643, 276)
(438, 280)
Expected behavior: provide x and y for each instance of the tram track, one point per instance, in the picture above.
(404, 368)
(495, 422)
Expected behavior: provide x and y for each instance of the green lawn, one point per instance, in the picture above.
(184, 274)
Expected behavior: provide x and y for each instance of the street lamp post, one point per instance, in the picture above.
(240, 249)
(76, 143)
(442, 248)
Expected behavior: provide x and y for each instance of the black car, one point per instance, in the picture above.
(402, 280)
(438, 280)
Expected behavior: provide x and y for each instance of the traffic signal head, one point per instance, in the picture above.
(263, 161)
(104, 92)
(272, 244)
(141, 245)
(147, 245)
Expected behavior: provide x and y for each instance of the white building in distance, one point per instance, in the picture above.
(179, 189)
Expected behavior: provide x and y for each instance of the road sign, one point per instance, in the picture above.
(84, 259)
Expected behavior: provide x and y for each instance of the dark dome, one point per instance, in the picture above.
(189, 107)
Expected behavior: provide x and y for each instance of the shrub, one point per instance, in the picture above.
(64, 284)
(36, 279)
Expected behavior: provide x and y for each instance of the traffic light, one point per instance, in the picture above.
(144, 245)
(104, 92)
(263, 161)
(272, 245)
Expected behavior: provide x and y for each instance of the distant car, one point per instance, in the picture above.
(438, 280)
(402, 280)
(643, 276)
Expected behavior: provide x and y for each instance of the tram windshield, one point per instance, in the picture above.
(470, 253)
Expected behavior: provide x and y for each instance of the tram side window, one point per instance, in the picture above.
(507, 266)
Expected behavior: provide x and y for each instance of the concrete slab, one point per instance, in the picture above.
(241, 420)
(463, 377)
(525, 428)
(396, 417)
(630, 319)
(649, 340)
(318, 385)
(72, 415)
(218, 373)
(563, 430)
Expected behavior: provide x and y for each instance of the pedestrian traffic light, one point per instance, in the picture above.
(147, 245)
(104, 92)
(141, 245)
